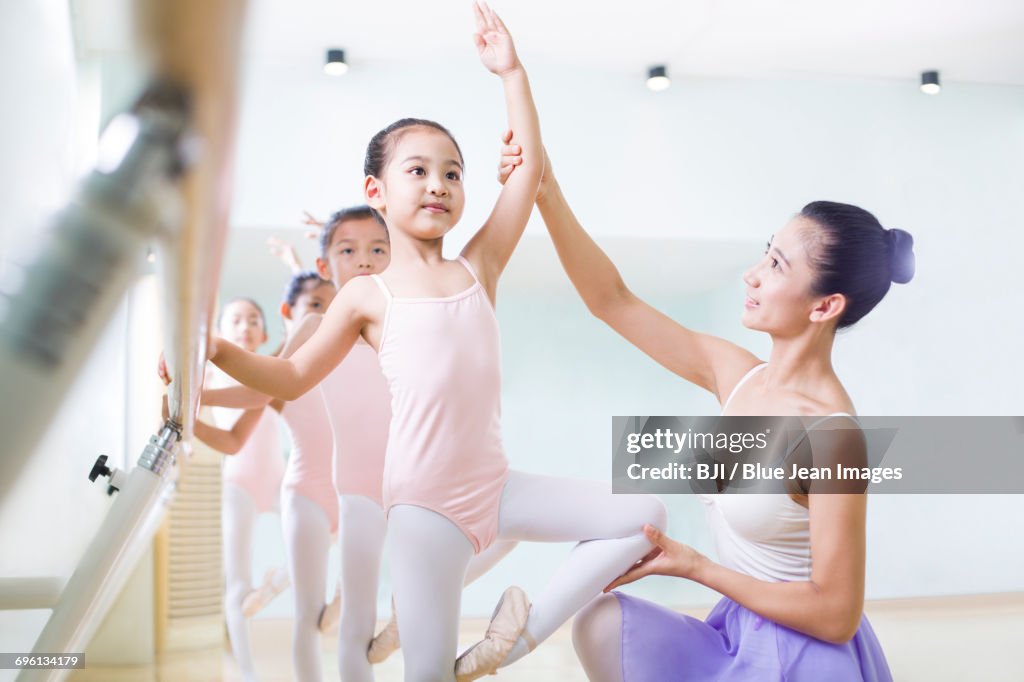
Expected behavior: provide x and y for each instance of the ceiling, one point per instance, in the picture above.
(967, 40)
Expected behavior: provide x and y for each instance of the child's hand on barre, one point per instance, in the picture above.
(161, 370)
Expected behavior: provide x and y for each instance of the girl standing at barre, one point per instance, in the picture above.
(354, 243)
(251, 485)
(447, 485)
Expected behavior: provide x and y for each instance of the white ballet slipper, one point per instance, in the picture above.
(386, 642)
(508, 624)
(258, 598)
(330, 615)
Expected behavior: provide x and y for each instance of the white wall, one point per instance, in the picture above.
(687, 185)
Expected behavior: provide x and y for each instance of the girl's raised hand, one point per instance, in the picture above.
(667, 558)
(313, 222)
(286, 253)
(310, 219)
(493, 42)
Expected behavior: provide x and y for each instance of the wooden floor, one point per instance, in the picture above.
(963, 638)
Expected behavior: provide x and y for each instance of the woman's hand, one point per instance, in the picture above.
(512, 156)
(493, 42)
(667, 558)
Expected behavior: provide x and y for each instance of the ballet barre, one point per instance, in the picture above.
(162, 179)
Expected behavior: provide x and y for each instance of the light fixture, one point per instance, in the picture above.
(336, 64)
(930, 82)
(657, 78)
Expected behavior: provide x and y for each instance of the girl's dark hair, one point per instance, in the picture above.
(339, 217)
(378, 152)
(297, 285)
(263, 317)
(853, 255)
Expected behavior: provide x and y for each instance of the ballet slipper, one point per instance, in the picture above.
(257, 599)
(508, 624)
(386, 642)
(330, 614)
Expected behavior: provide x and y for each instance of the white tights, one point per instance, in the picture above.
(238, 516)
(361, 529)
(307, 532)
(430, 555)
(361, 536)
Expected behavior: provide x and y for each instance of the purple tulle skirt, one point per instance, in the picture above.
(735, 644)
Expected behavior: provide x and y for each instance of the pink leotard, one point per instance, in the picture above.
(310, 464)
(441, 357)
(258, 467)
(359, 408)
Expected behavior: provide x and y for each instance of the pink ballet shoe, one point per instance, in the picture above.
(386, 642)
(258, 598)
(330, 614)
(508, 624)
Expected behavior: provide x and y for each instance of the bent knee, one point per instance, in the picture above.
(649, 509)
(596, 626)
(657, 512)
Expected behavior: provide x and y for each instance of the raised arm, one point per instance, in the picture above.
(708, 361)
(291, 377)
(286, 253)
(491, 247)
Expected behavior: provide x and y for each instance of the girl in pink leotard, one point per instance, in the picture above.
(356, 408)
(445, 404)
(355, 243)
(308, 502)
(251, 481)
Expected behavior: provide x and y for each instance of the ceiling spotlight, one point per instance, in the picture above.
(657, 78)
(336, 64)
(930, 83)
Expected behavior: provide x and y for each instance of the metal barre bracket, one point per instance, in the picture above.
(158, 455)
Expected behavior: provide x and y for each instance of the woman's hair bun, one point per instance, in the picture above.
(901, 255)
